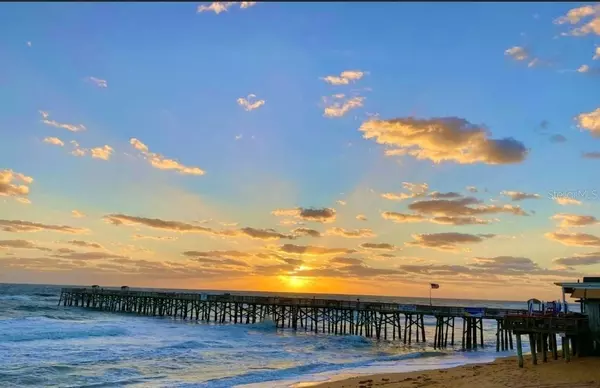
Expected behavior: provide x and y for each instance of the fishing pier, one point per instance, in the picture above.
(370, 319)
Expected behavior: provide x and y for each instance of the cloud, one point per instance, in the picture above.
(158, 238)
(591, 155)
(54, 141)
(250, 103)
(89, 256)
(575, 239)
(313, 250)
(346, 261)
(564, 201)
(306, 232)
(570, 220)
(15, 184)
(77, 214)
(356, 233)
(21, 244)
(447, 195)
(459, 221)
(446, 241)
(335, 108)
(590, 121)
(103, 153)
(359, 271)
(221, 262)
(53, 123)
(361, 217)
(237, 254)
(341, 202)
(402, 218)
(162, 163)
(85, 244)
(223, 6)
(16, 226)
(383, 246)
(521, 54)
(589, 258)
(323, 215)
(590, 13)
(517, 53)
(261, 234)
(416, 190)
(443, 139)
(510, 265)
(519, 195)
(101, 83)
(466, 206)
(472, 189)
(344, 78)
(219, 258)
(183, 227)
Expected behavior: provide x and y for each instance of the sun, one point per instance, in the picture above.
(294, 281)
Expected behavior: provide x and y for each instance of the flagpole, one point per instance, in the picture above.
(430, 295)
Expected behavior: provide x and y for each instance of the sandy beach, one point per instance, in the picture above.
(504, 372)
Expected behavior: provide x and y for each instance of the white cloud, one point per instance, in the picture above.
(103, 152)
(336, 108)
(344, 78)
(54, 141)
(77, 214)
(162, 163)
(590, 13)
(590, 121)
(101, 83)
(16, 185)
(597, 53)
(517, 53)
(53, 123)
(250, 102)
(223, 6)
(564, 201)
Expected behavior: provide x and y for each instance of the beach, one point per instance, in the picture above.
(503, 372)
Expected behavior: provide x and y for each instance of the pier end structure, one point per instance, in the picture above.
(579, 333)
(385, 321)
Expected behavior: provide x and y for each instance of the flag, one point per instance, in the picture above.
(435, 286)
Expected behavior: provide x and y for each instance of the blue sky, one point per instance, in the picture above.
(171, 77)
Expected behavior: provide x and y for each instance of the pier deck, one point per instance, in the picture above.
(370, 319)
(542, 330)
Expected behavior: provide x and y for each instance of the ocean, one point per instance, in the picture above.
(44, 345)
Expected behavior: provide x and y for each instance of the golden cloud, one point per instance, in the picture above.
(162, 163)
(443, 139)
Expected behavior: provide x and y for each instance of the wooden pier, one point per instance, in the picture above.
(373, 320)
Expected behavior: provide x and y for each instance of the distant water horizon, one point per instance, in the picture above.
(369, 297)
(43, 344)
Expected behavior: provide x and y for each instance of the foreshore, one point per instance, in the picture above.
(503, 372)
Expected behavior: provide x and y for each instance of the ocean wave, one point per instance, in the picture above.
(57, 333)
(265, 375)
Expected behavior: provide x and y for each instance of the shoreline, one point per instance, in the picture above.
(502, 372)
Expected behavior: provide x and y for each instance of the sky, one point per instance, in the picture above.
(348, 148)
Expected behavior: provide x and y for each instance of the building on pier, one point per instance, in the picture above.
(587, 294)
(579, 332)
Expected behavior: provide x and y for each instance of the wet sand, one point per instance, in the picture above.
(504, 372)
